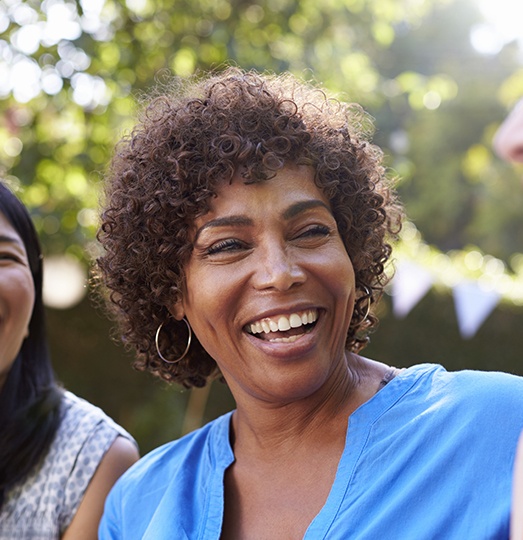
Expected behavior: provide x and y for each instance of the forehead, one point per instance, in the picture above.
(288, 186)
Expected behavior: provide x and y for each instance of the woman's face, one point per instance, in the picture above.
(16, 295)
(270, 287)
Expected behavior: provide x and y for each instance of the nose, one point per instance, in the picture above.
(277, 268)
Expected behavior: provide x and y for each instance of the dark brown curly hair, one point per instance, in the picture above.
(197, 135)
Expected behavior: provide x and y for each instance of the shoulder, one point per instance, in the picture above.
(465, 383)
(187, 457)
(119, 457)
(88, 429)
(82, 421)
(480, 397)
(77, 411)
(502, 388)
(181, 453)
(90, 450)
(78, 414)
(171, 475)
(430, 408)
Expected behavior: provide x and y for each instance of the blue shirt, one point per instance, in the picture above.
(429, 457)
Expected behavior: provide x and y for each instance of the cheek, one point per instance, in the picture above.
(211, 306)
(206, 299)
(20, 302)
(209, 288)
(342, 283)
(25, 302)
(339, 272)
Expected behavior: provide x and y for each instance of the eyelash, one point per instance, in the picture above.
(5, 256)
(232, 244)
(225, 245)
(316, 230)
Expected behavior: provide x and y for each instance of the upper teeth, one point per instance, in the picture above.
(282, 323)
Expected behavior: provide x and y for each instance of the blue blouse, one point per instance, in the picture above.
(430, 456)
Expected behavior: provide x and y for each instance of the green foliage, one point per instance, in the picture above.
(446, 102)
(410, 63)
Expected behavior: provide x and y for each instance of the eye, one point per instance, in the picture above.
(224, 246)
(314, 231)
(9, 257)
(312, 236)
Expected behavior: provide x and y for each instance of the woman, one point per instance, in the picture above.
(59, 455)
(245, 228)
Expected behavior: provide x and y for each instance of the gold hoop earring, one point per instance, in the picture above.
(369, 297)
(186, 348)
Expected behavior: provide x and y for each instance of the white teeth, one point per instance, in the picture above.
(290, 339)
(283, 323)
(295, 320)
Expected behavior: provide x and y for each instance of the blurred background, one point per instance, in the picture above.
(437, 75)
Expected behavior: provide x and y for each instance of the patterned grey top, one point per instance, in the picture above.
(43, 506)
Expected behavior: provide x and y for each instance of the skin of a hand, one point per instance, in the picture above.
(508, 141)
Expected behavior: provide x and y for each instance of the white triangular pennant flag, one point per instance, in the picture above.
(409, 285)
(473, 304)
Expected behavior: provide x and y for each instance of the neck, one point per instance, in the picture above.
(263, 427)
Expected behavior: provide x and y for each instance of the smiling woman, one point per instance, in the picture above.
(248, 133)
(59, 455)
(246, 225)
(17, 295)
(279, 236)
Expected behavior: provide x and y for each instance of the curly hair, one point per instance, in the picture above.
(193, 137)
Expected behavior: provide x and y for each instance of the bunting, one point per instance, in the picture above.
(473, 303)
(476, 281)
(410, 284)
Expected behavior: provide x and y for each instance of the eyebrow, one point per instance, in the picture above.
(224, 222)
(302, 206)
(293, 210)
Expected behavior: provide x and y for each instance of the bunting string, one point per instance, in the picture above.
(478, 282)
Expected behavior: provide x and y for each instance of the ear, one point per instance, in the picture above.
(177, 310)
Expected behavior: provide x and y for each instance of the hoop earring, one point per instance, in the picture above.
(186, 348)
(369, 296)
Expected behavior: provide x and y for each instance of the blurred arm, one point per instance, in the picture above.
(516, 524)
(508, 140)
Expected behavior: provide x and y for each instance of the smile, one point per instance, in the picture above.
(284, 328)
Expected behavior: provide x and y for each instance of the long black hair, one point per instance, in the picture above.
(30, 398)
